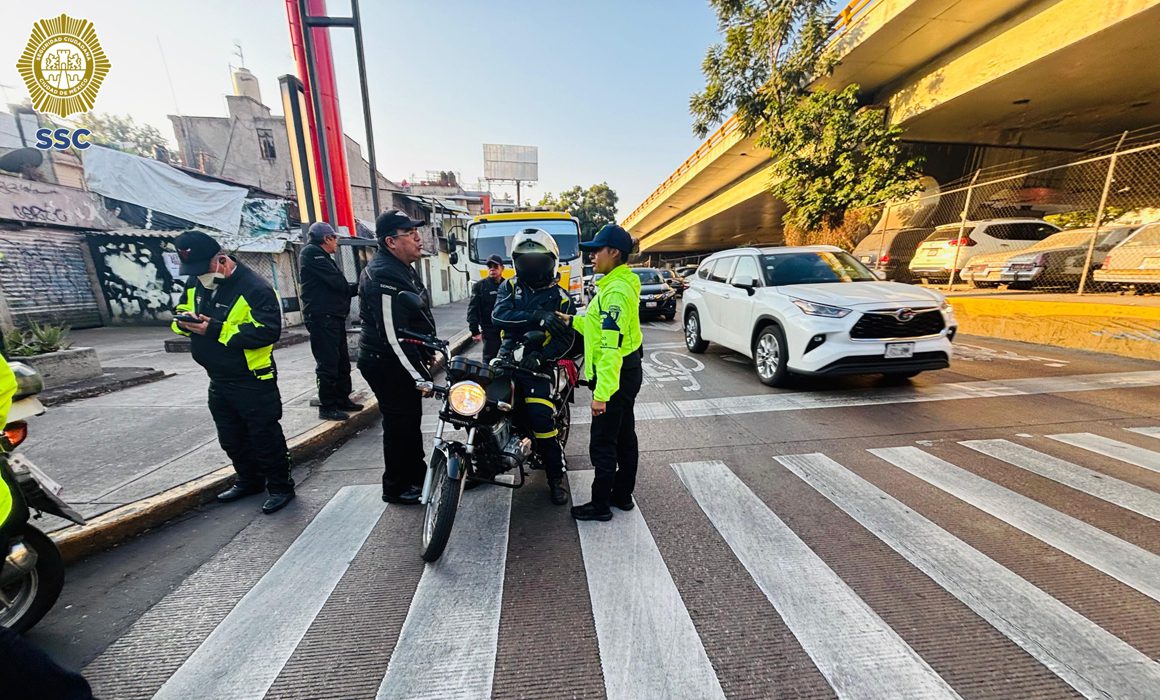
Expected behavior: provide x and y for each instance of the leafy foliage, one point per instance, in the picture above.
(122, 133)
(594, 207)
(1085, 218)
(831, 152)
(36, 340)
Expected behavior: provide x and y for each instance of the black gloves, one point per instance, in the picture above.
(532, 361)
(551, 323)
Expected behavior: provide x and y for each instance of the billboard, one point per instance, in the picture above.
(503, 162)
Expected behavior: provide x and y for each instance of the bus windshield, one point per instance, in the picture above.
(495, 237)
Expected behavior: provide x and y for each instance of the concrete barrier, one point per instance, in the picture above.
(1117, 329)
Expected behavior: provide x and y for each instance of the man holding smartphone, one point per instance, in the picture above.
(233, 319)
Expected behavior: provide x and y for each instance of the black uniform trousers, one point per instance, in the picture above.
(613, 448)
(27, 673)
(540, 413)
(491, 342)
(331, 358)
(401, 406)
(246, 413)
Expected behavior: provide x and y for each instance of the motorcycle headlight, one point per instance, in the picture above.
(813, 309)
(467, 398)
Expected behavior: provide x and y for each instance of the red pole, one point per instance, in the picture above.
(331, 116)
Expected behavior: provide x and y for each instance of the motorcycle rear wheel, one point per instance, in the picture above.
(441, 507)
(27, 600)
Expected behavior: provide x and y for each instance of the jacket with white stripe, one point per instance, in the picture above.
(383, 316)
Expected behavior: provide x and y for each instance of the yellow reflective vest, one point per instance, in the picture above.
(611, 329)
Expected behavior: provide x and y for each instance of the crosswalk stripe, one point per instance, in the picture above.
(1123, 561)
(857, 652)
(1083, 654)
(1093, 483)
(447, 646)
(1150, 432)
(244, 654)
(649, 647)
(1112, 448)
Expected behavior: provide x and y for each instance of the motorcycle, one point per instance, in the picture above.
(32, 576)
(480, 399)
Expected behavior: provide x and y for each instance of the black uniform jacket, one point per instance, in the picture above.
(482, 303)
(383, 315)
(515, 311)
(325, 292)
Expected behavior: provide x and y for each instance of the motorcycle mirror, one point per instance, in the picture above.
(411, 301)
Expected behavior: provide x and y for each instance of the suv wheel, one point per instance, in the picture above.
(769, 356)
(693, 340)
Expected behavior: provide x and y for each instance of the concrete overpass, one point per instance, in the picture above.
(995, 74)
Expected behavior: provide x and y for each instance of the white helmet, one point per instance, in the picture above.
(536, 257)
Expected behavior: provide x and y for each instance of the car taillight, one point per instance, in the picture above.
(15, 433)
(962, 242)
(884, 259)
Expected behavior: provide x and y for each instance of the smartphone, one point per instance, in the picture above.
(187, 318)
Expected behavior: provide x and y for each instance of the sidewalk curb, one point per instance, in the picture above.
(120, 524)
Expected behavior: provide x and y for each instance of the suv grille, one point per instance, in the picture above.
(887, 324)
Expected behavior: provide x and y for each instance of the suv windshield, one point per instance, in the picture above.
(1147, 236)
(648, 276)
(813, 268)
(495, 237)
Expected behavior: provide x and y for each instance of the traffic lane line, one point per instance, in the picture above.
(1087, 657)
(853, 647)
(1121, 560)
(649, 647)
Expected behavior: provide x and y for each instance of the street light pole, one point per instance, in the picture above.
(315, 99)
(366, 103)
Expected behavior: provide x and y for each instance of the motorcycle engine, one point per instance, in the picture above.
(517, 451)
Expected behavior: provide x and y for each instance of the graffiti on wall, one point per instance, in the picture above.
(137, 282)
(32, 202)
(44, 279)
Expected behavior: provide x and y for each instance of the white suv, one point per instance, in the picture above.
(952, 245)
(815, 310)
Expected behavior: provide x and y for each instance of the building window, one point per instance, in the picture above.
(266, 144)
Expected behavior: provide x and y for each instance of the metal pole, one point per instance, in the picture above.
(366, 104)
(1087, 265)
(320, 134)
(962, 229)
(517, 193)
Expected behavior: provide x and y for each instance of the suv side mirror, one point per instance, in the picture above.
(745, 282)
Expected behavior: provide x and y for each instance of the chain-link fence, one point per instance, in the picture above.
(1083, 226)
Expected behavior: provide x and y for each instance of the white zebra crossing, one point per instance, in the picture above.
(1093, 483)
(649, 647)
(857, 652)
(1132, 565)
(1112, 448)
(1083, 654)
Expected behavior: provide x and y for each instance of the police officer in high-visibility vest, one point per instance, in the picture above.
(238, 321)
(612, 362)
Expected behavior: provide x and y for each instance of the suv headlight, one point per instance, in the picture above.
(467, 398)
(813, 309)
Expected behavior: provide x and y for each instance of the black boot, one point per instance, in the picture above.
(591, 511)
(276, 502)
(625, 504)
(331, 414)
(557, 491)
(237, 491)
(349, 405)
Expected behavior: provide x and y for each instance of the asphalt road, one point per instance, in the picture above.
(990, 530)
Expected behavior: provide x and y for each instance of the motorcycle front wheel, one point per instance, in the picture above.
(441, 507)
(26, 599)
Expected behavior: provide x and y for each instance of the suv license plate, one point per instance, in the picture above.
(650, 305)
(899, 350)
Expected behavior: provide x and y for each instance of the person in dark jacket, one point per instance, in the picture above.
(326, 299)
(530, 302)
(240, 319)
(389, 363)
(482, 304)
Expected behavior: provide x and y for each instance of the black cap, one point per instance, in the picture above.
(319, 230)
(495, 260)
(392, 221)
(610, 236)
(196, 250)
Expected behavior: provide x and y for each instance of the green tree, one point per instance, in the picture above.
(594, 207)
(122, 133)
(831, 152)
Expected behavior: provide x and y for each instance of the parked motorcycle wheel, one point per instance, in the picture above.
(441, 507)
(27, 599)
